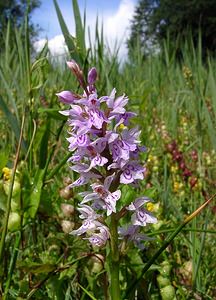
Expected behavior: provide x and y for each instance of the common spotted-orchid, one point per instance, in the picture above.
(105, 153)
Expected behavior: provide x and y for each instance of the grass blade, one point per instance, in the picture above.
(167, 243)
(12, 120)
(80, 31)
(68, 38)
(87, 293)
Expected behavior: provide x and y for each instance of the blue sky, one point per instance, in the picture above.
(115, 15)
(46, 17)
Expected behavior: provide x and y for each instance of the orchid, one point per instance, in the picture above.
(106, 154)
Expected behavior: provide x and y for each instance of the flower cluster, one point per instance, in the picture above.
(104, 151)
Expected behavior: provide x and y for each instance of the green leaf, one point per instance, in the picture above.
(87, 293)
(3, 197)
(211, 127)
(135, 261)
(43, 53)
(9, 93)
(44, 146)
(3, 160)
(36, 193)
(68, 38)
(52, 112)
(80, 31)
(7, 42)
(12, 120)
(36, 268)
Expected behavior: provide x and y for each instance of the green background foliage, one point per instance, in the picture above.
(155, 19)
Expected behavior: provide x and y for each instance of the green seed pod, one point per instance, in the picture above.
(155, 168)
(165, 268)
(14, 221)
(168, 293)
(97, 261)
(163, 281)
(15, 205)
(16, 188)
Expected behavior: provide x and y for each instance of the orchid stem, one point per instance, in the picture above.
(114, 262)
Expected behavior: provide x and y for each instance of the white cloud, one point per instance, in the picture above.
(56, 45)
(116, 28)
(116, 25)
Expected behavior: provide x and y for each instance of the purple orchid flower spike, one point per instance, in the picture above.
(105, 153)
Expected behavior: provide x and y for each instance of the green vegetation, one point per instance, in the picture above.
(14, 11)
(155, 19)
(176, 106)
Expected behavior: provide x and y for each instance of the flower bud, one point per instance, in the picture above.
(177, 155)
(92, 75)
(171, 146)
(194, 155)
(187, 173)
(77, 72)
(182, 165)
(193, 181)
(67, 226)
(213, 209)
(74, 67)
(67, 209)
(67, 97)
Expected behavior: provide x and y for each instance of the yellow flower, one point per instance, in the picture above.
(150, 206)
(174, 169)
(176, 186)
(153, 159)
(150, 158)
(153, 207)
(122, 126)
(6, 173)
